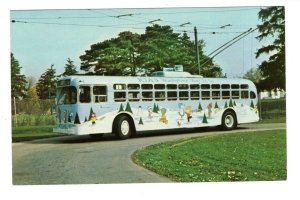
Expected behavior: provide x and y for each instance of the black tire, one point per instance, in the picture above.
(229, 121)
(96, 136)
(123, 127)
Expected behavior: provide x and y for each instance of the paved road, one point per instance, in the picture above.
(82, 160)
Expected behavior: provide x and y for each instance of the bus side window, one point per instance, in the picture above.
(183, 95)
(100, 93)
(226, 94)
(147, 86)
(216, 95)
(205, 95)
(225, 86)
(134, 96)
(119, 86)
(172, 95)
(244, 94)
(235, 94)
(85, 94)
(133, 86)
(147, 96)
(195, 95)
(119, 96)
(244, 86)
(160, 95)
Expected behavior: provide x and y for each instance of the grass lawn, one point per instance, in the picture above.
(252, 156)
(26, 133)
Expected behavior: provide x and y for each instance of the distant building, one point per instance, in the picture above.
(273, 94)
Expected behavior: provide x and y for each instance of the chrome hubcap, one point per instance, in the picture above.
(125, 127)
(229, 120)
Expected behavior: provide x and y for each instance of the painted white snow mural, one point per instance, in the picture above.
(156, 117)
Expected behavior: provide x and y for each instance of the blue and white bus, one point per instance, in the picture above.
(97, 105)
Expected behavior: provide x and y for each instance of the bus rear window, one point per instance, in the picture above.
(252, 95)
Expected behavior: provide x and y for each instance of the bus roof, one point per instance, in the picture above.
(93, 79)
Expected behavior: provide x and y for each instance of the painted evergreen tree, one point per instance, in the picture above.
(155, 108)
(200, 107)
(234, 104)
(128, 108)
(252, 104)
(225, 106)
(91, 112)
(141, 121)
(204, 120)
(77, 120)
(59, 115)
(216, 105)
(121, 109)
(85, 119)
(69, 117)
(230, 103)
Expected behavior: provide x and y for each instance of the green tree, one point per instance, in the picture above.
(273, 68)
(131, 53)
(46, 85)
(253, 75)
(18, 81)
(70, 68)
(161, 47)
(32, 102)
(116, 56)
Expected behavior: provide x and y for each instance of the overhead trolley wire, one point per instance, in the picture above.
(227, 45)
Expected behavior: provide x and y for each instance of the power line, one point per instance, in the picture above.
(63, 17)
(202, 11)
(130, 26)
(75, 24)
(228, 44)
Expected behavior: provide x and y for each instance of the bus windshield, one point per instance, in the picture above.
(66, 95)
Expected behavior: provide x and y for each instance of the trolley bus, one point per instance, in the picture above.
(98, 105)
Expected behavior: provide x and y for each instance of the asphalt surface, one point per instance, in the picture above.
(83, 160)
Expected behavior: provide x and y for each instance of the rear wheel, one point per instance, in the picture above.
(123, 127)
(229, 121)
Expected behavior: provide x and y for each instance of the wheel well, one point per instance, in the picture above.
(130, 120)
(230, 109)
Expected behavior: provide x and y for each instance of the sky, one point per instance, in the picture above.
(40, 38)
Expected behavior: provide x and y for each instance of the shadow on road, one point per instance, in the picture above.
(111, 137)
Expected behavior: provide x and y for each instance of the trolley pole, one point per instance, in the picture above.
(197, 49)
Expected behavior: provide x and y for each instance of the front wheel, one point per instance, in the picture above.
(123, 127)
(229, 121)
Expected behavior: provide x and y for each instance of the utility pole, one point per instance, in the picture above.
(197, 49)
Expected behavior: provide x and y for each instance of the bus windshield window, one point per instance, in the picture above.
(67, 95)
